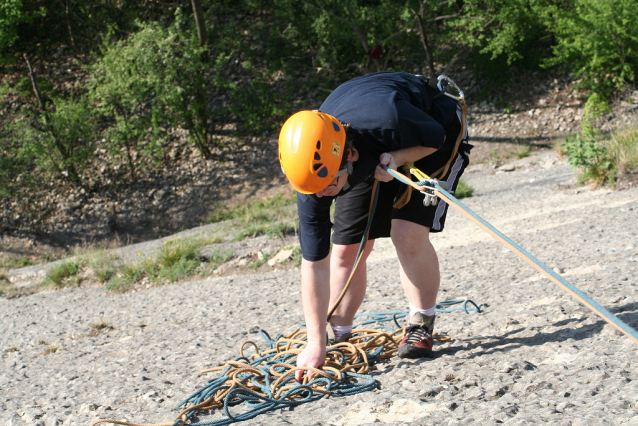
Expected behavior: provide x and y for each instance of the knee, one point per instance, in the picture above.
(344, 255)
(409, 238)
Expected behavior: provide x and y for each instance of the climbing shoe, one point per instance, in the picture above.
(417, 342)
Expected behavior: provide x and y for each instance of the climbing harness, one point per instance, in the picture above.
(436, 188)
(439, 85)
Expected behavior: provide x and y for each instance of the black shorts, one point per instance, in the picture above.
(351, 209)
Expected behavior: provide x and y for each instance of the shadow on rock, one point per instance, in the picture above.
(507, 341)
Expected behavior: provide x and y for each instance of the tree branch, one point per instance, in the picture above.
(36, 89)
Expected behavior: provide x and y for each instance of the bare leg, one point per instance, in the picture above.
(342, 259)
(419, 264)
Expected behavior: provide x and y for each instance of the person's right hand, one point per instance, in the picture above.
(313, 356)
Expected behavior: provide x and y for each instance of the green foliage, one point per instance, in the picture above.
(252, 211)
(623, 148)
(177, 259)
(586, 150)
(594, 108)
(600, 157)
(463, 189)
(591, 155)
(13, 263)
(127, 275)
(175, 251)
(257, 108)
(12, 15)
(516, 24)
(158, 77)
(338, 35)
(39, 146)
(41, 26)
(56, 142)
(273, 217)
(103, 266)
(218, 257)
(64, 275)
(597, 39)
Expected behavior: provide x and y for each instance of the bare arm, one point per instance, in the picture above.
(398, 158)
(315, 297)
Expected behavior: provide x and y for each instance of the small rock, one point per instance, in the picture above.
(282, 256)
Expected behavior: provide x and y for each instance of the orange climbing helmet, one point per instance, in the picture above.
(311, 145)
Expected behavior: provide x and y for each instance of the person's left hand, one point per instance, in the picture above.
(385, 159)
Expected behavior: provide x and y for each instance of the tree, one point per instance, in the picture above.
(157, 78)
(200, 23)
(598, 41)
(11, 16)
(446, 23)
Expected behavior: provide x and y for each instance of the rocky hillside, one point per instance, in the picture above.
(529, 115)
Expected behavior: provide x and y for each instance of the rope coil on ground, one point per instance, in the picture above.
(264, 381)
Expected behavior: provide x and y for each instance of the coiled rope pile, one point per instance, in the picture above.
(264, 381)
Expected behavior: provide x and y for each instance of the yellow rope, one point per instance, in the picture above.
(363, 341)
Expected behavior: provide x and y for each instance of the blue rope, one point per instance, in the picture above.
(351, 383)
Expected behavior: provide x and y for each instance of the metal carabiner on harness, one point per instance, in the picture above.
(430, 198)
(452, 84)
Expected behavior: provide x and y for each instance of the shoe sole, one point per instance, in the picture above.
(412, 352)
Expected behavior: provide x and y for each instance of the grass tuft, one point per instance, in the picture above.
(522, 151)
(13, 263)
(64, 275)
(51, 349)
(100, 327)
(463, 189)
(273, 217)
(623, 148)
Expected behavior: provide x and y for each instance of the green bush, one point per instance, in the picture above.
(463, 189)
(623, 148)
(156, 78)
(597, 39)
(12, 15)
(591, 155)
(64, 275)
(56, 143)
(587, 150)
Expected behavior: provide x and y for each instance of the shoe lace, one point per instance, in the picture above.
(416, 333)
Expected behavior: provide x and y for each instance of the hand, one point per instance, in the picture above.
(385, 159)
(313, 356)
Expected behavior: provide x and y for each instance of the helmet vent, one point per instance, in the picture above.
(317, 156)
(323, 172)
(335, 126)
(318, 144)
(315, 167)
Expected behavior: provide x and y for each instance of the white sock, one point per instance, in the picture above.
(428, 312)
(340, 330)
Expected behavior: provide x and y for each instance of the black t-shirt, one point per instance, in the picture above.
(388, 111)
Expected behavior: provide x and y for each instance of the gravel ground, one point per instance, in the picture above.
(533, 356)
